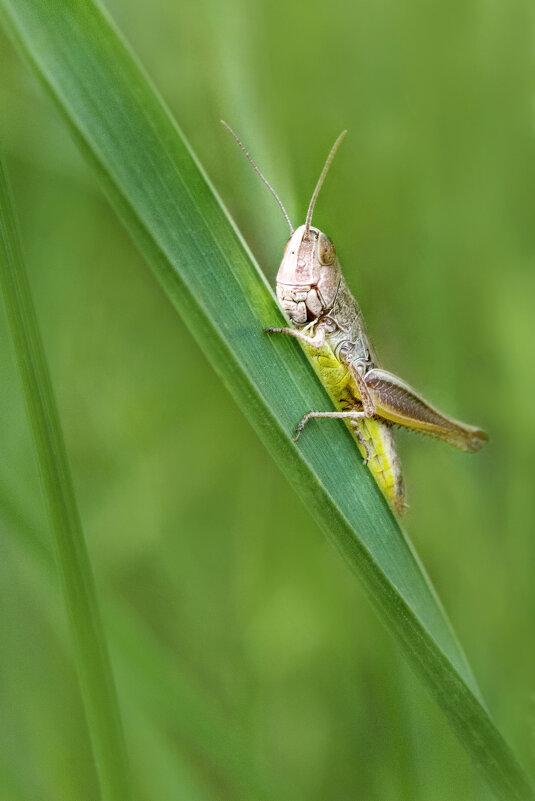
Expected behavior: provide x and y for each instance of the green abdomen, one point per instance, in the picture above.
(383, 459)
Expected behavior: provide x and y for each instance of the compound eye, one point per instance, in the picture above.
(326, 251)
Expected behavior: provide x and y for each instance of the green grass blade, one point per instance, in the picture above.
(94, 669)
(159, 190)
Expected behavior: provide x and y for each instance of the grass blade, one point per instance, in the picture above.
(159, 190)
(93, 664)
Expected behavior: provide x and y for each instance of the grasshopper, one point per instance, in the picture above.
(330, 327)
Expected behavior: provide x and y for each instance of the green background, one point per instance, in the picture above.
(209, 569)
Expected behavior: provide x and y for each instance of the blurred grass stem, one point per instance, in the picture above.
(92, 660)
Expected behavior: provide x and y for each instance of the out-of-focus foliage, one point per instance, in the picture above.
(429, 204)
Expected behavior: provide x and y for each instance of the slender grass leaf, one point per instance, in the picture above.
(157, 187)
(93, 664)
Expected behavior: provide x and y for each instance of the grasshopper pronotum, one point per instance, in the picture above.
(330, 327)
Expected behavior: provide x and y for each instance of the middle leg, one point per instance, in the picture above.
(332, 415)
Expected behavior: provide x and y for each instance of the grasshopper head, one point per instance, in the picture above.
(309, 276)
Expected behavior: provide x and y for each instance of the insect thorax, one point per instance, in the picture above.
(348, 337)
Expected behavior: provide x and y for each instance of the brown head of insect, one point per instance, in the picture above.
(309, 274)
(308, 277)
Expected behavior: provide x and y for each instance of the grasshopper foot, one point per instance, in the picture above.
(299, 429)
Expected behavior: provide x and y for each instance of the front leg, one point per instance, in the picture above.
(316, 341)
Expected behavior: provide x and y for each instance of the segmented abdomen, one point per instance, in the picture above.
(383, 459)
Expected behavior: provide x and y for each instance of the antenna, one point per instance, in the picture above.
(256, 169)
(320, 182)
